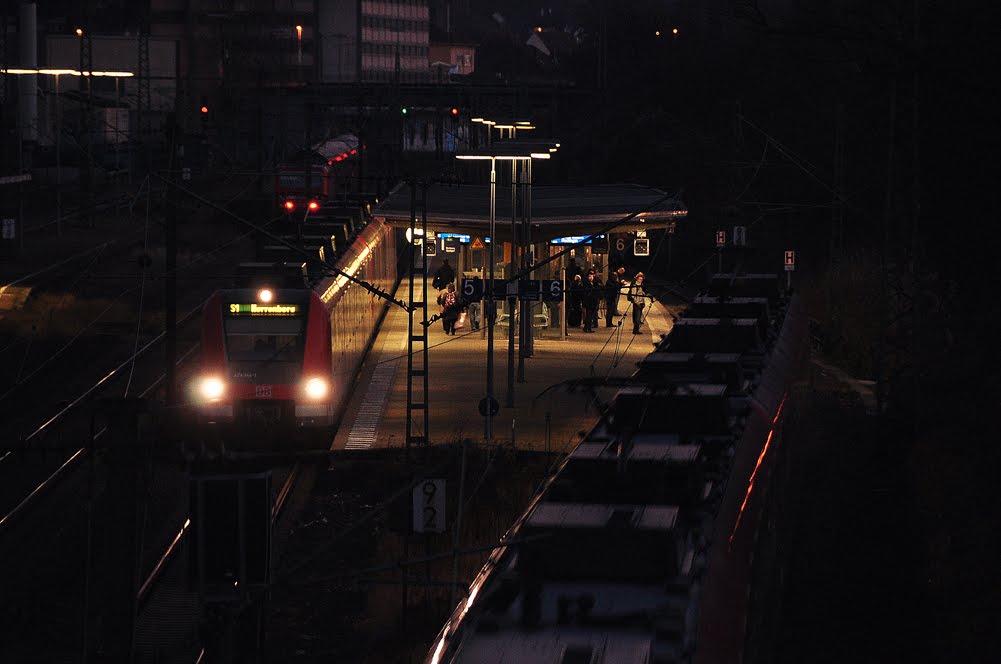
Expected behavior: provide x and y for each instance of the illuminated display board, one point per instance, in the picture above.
(464, 239)
(236, 309)
(574, 239)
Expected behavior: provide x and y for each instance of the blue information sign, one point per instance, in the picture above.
(464, 239)
(576, 239)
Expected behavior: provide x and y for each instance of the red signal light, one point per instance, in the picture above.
(289, 205)
(313, 206)
(455, 111)
(353, 151)
(205, 109)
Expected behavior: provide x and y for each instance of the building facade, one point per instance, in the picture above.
(374, 40)
(460, 58)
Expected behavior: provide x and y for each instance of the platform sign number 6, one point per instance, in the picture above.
(429, 506)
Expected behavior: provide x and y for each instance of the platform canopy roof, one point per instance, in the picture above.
(557, 211)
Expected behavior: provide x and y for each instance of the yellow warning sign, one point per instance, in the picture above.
(477, 244)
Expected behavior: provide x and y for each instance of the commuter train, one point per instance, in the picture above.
(278, 355)
(639, 547)
(309, 179)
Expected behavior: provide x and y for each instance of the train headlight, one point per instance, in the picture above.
(317, 388)
(212, 388)
(265, 295)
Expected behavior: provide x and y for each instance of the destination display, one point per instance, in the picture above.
(253, 309)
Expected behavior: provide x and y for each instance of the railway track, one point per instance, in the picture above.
(277, 509)
(63, 466)
(162, 592)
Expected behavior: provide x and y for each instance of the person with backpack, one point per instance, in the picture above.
(450, 308)
(637, 296)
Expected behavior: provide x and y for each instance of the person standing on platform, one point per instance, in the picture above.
(620, 283)
(573, 270)
(612, 287)
(575, 301)
(637, 296)
(443, 276)
(589, 300)
(599, 298)
(474, 315)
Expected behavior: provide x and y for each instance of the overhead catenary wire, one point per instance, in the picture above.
(280, 240)
(131, 289)
(142, 291)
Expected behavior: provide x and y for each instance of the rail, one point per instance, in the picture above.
(276, 511)
(48, 483)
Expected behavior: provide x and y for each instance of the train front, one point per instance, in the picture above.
(265, 359)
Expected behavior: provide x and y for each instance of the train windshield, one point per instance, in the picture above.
(265, 350)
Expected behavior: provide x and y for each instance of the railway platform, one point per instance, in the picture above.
(547, 414)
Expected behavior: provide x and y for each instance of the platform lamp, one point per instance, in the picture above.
(504, 153)
(541, 149)
(540, 146)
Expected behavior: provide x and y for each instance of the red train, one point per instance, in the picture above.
(278, 355)
(310, 178)
(266, 355)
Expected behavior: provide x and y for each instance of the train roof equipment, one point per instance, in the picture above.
(276, 274)
(703, 335)
(630, 551)
(705, 306)
(745, 285)
(664, 367)
(330, 151)
(694, 409)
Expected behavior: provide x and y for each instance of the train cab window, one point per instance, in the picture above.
(263, 349)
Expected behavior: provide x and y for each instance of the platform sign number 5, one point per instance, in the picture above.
(472, 289)
(429, 506)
